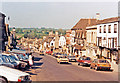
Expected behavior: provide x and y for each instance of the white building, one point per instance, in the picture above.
(107, 33)
(107, 37)
(62, 41)
(91, 40)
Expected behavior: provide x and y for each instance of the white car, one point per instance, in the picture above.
(8, 74)
(62, 60)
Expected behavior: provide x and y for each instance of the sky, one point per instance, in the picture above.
(55, 14)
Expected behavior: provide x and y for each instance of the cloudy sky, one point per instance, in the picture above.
(56, 14)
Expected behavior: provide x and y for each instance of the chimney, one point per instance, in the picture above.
(97, 16)
(89, 21)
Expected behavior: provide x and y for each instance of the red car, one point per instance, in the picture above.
(84, 61)
(49, 52)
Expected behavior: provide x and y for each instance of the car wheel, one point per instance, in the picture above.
(96, 68)
(3, 80)
(90, 67)
(78, 63)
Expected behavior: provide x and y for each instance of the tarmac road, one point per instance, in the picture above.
(47, 69)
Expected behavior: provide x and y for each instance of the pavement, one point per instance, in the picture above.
(46, 68)
(114, 66)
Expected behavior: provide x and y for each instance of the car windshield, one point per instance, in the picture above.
(13, 57)
(5, 59)
(86, 58)
(21, 56)
(103, 61)
(58, 54)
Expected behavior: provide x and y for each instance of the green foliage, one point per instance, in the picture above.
(37, 32)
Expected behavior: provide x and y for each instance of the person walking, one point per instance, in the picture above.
(30, 61)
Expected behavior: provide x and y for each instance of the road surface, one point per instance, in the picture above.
(47, 69)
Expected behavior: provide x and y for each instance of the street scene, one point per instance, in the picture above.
(39, 44)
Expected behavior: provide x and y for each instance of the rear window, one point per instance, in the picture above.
(103, 61)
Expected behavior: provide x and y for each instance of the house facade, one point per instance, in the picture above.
(79, 36)
(107, 38)
(91, 41)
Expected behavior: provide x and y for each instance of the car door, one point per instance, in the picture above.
(79, 59)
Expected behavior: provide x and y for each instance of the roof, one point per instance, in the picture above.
(108, 20)
(83, 23)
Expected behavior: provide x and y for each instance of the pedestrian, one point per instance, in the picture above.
(30, 61)
(33, 59)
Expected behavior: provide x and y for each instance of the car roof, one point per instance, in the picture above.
(6, 54)
(18, 51)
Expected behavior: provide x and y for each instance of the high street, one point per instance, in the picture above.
(47, 69)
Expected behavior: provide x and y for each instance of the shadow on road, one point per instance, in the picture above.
(37, 59)
(31, 73)
(38, 64)
(85, 65)
(66, 63)
(36, 67)
(111, 70)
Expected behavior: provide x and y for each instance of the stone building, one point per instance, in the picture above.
(3, 33)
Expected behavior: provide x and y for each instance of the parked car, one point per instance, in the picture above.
(65, 55)
(84, 61)
(5, 63)
(62, 60)
(41, 53)
(8, 74)
(10, 60)
(22, 57)
(58, 55)
(72, 58)
(22, 65)
(100, 64)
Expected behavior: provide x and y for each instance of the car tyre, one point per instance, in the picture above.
(96, 68)
(3, 80)
(78, 63)
(90, 67)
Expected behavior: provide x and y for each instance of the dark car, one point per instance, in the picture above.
(84, 61)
